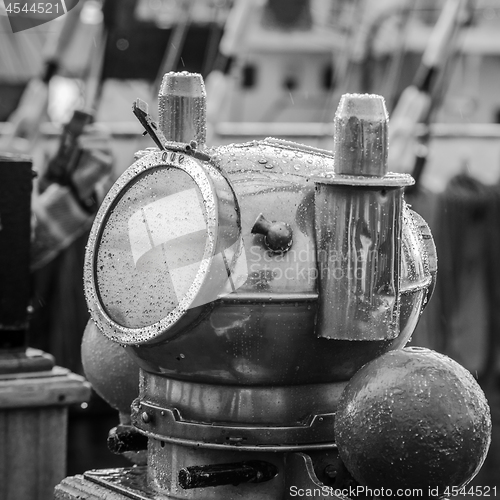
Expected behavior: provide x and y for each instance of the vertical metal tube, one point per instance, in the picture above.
(358, 254)
(16, 178)
(182, 108)
(360, 141)
(358, 220)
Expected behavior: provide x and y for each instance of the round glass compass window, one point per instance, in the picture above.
(164, 242)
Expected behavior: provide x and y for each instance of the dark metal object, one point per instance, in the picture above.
(126, 438)
(16, 178)
(201, 476)
(15, 233)
(140, 110)
(167, 459)
(278, 235)
(331, 471)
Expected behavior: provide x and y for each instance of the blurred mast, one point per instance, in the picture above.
(402, 14)
(343, 60)
(419, 99)
(175, 44)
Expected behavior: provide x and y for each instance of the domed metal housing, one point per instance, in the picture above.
(219, 274)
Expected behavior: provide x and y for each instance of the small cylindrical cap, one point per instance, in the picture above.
(182, 107)
(361, 135)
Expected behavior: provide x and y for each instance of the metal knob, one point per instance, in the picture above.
(126, 438)
(278, 235)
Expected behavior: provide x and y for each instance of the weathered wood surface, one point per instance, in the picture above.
(38, 389)
(79, 488)
(33, 431)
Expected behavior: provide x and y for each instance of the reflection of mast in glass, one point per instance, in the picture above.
(170, 235)
(152, 243)
(228, 270)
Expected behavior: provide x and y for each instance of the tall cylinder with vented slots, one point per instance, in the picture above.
(358, 214)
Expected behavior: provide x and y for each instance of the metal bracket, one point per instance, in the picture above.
(140, 109)
(167, 424)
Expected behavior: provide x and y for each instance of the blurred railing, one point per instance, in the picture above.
(453, 148)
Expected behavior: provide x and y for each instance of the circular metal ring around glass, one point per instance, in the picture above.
(152, 246)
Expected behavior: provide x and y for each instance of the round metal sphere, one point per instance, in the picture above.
(413, 418)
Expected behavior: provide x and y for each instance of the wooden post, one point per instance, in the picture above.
(33, 427)
(78, 488)
(34, 394)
